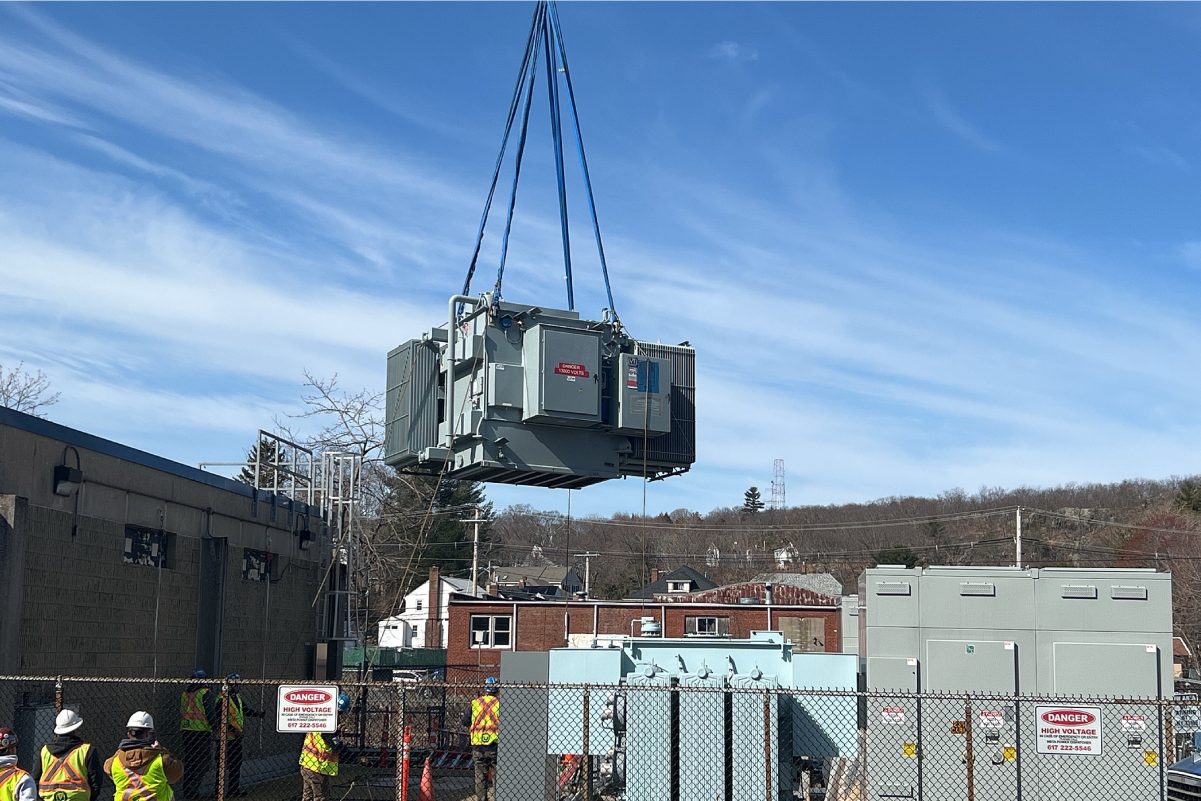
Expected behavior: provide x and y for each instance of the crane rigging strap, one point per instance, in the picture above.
(545, 31)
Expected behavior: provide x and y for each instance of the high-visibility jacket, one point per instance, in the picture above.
(9, 778)
(235, 717)
(485, 720)
(317, 756)
(67, 775)
(149, 785)
(191, 711)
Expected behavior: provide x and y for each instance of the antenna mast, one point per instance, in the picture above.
(777, 485)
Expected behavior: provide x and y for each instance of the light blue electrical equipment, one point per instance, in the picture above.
(703, 743)
(755, 726)
(651, 765)
(822, 725)
(598, 667)
(694, 690)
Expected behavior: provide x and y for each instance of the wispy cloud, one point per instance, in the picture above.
(733, 51)
(1159, 155)
(948, 117)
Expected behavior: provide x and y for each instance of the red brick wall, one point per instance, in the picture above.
(539, 627)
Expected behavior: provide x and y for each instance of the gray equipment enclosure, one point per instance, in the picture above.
(539, 397)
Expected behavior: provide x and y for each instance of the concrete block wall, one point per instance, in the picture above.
(86, 612)
(70, 605)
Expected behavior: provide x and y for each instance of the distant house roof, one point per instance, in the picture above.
(535, 576)
(1180, 647)
(788, 589)
(696, 580)
(822, 583)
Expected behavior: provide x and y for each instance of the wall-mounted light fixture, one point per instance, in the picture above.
(67, 483)
(68, 480)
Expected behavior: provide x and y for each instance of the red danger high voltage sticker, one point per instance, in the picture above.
(567, 368)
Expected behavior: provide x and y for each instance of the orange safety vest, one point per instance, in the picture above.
(235, 716)
(67, 774)
(191, 711)
(485, 720)
(9, 778)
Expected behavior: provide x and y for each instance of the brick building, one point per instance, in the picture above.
(481, 629)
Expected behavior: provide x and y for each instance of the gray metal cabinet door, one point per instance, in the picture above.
(570, 367)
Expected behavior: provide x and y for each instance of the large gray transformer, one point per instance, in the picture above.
(538, 397)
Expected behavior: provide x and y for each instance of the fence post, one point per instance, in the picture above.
(586, 760)
(222, 731)
(403, 737)
(971, 756)
(1017, 743)
(767, 743)
(58, 694)
(1162, 766)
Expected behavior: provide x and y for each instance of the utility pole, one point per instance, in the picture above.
(587, 571)
(1017, 538)
(475, 554)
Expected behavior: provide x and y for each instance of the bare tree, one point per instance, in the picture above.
(24, 391)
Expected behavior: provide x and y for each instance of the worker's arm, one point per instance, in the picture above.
(212, 710)
(108, 765)
(172, 768)
(95, 773)
(27, 789)
(36, 773)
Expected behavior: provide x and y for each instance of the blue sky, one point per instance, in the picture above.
(917, 246)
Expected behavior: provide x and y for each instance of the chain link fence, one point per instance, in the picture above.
(694, 739)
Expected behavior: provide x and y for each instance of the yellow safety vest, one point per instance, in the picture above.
(485, 720)
(150, 785)
(235, 717)
(191, 711)
(65, 778)
(8, 782)
(317, 756)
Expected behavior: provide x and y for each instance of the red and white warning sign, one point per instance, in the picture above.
(567, 368)
(990, 719)
(1068, 729)
(307, 707)
(893, 714)
(1134, 723)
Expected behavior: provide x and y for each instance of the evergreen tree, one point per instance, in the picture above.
(1188, 497)
(266, 473)
(752, 502)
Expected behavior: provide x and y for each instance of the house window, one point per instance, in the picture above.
(418, 604)
(149, 547)
(257, 565)
(491, 631)
(805, 633)
(679, 586)
(416, 633)
(696, 626)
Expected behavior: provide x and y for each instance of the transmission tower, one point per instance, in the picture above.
(777, 485)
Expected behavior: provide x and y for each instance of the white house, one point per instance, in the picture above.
(422, 622)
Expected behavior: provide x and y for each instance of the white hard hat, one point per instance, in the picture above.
(140, 720)
(67, 721)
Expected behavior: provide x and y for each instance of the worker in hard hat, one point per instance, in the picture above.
(484, 721)
(69, 769)
(319, 757)
(197, 719)
(142, 769)
(15, 784)
(236, 713)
